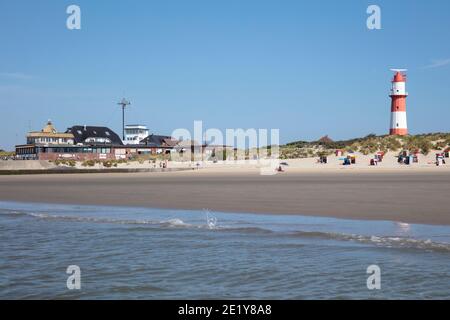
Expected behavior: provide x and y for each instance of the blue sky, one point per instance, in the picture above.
(308, 68)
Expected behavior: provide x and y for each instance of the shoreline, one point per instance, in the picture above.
(261, 213)
(419, 197)
(85, 171)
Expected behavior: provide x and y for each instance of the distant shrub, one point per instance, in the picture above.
(425, 146)
(440, 145)
(4, 153)
(107, 164)
(88, 163)
(392, 144)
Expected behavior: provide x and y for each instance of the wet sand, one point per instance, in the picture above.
(412, 197)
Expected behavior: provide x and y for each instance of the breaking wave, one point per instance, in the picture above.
(381, 241)
(162, 223)
(13, 213)
(211, 223)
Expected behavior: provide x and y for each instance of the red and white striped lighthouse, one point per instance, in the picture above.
(398, 105)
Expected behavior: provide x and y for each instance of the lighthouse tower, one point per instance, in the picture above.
(398, 106)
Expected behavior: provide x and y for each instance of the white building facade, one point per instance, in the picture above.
(134, 133)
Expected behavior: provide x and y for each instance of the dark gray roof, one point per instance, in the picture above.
(81, 133)
(157, 141)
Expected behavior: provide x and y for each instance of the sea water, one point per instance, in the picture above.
(136, 253)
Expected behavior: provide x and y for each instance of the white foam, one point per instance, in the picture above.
(175, 222)
(211, 221)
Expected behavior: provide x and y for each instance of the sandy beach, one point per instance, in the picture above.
(412, 196)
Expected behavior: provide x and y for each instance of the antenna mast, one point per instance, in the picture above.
(123, 103)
